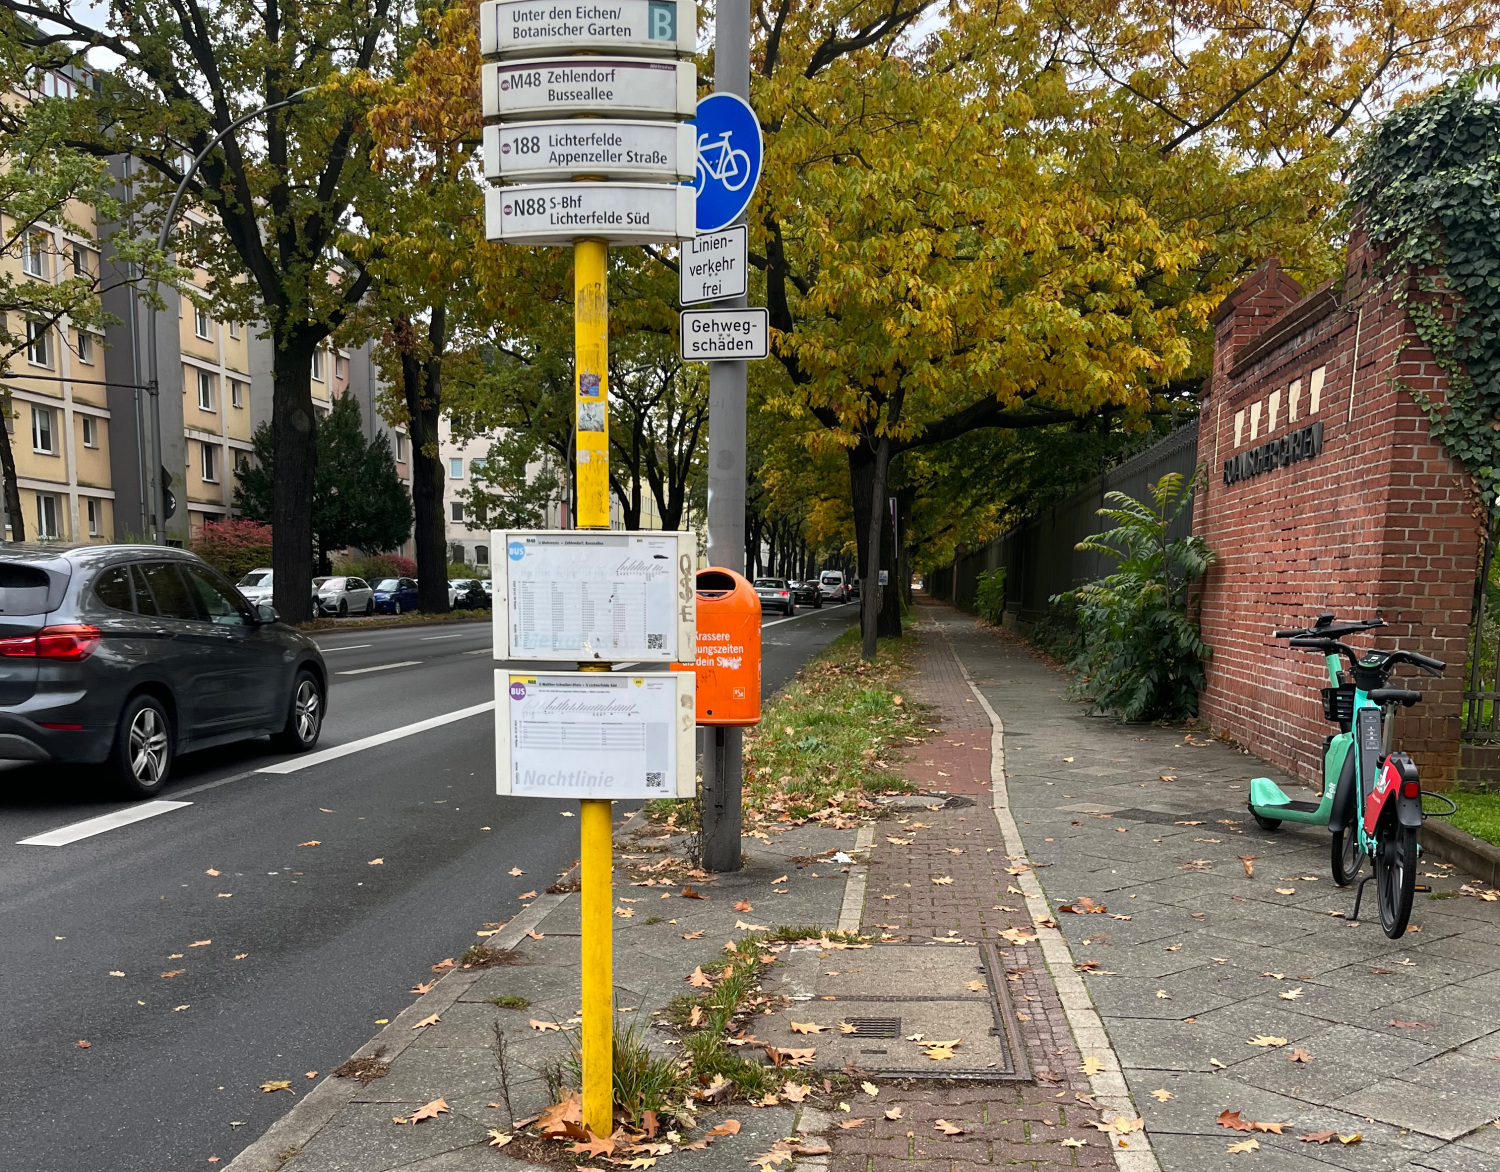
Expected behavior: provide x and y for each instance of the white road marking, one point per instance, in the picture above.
(395, 734)
(89, 827)
(803, 615)
(359, 671)
(347, 647)
(434, 638)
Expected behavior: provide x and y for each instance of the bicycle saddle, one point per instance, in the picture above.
(1403, 696)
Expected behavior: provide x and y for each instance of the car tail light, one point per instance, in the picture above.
(1411, 789)
(70, 641)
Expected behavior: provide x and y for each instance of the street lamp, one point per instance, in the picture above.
(159, 488)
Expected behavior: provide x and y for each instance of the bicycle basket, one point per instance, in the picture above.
(1338, 703)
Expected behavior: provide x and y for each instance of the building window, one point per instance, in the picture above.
(340, 367)
(41, 430)
(456, 469)
(317, 364)
(90, 431)
(241, 463)
(401, 446)
(34, 251)
(202, 323)
(236, 393)
(234, 330)
(210, 462)
(84, 264)
(481, 554)
(46, 515)
(205, 391)
(96, 516)
(38, 344)
(456, 510)
(86, 348)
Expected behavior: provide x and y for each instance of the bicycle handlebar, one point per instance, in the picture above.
(1387, 659)
(1331, 632)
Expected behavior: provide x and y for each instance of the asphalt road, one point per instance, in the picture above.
(294, 910)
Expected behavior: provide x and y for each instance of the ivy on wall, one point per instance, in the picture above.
(1428, 181)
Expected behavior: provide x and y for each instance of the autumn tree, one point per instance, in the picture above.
(277, 193)
(1026, 217)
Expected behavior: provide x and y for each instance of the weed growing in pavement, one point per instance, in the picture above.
(511, 1002)
(643, 1081)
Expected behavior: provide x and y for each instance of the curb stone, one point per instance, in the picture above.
(1481, 859)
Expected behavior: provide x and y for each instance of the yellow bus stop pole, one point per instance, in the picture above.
(596, 816)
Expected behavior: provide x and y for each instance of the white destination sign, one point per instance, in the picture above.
(574, 595)
(589, 85)
(509, 28)
(714, 266)
(595, 734)
(664, 151)
(709, 335)
(559, 213)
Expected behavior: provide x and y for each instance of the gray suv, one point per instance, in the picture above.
(126, 655)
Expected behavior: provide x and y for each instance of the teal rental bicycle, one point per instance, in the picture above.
(1372, 798)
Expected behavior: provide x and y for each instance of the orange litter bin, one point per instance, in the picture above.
(728, 663)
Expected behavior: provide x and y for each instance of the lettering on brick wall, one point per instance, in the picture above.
(1302, 444)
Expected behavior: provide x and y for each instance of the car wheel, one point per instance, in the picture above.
(396, 607)
(141, 760)
(370, 606)
(304, 720)
(343, 608)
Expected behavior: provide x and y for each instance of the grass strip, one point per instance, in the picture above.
(1478, 813)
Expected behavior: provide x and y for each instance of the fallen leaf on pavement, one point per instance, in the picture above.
(689, 893)
(791, 1057)
(1092, 1065)
(1074, 1142)
(728, 1127)
(1286, 891)
(1248, 862)
(211, 871)
(1290, 994)
(178, 1008)
(697, 979)
(311, 1074)
(311, 842)
(534, 935)
(376, 863)
(1299, 1055)
(116, 973)
(975, 986)
(1162, 1095)
(1317, 1137)
(625, 913)
(200, 943)
(544, 1026)
(1247, 1145)
(1350, 1139)
(869, 1088)
(1119, 1125)
(795, 1092)
(1017, 936)
(893, 1113)
(807, 1027)
(427, 1021)
(743, 905)
(1163, 995)
(516, 871)
(1216, 1062)
(774, 882)
(174, 972)
(443, 965)
(940, 1051)
(947, 1128)
(1265, 1040)
(82, 1045)
(848, 1028)
(846, 1124)
(698, 935)
(1409, 1025)
(525, 895)
(431, 1111)
(281, 1084)
(742, 926)
(498, 1139)
(1083, 906)
(593, 1146)
(943, 880)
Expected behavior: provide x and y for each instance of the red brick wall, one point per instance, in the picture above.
(1382, 520)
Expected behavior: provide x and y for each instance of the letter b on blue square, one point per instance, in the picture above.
(661, 16)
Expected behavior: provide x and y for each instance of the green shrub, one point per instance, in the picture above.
(989, 595)
(1140, 654)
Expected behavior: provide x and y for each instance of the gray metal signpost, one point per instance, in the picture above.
(723, 747)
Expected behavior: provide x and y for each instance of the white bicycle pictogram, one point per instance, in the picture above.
(722, 163)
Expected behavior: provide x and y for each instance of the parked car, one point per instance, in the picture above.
(808, 591)
(344, 596)
(832, 585)
(395, 595)
(127, 655)
(469, 594)
(775, 593)
(256, 586)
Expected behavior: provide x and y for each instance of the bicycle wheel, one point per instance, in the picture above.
(1395, 876)
(1346, 857)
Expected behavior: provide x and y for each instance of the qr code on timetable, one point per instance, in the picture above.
(656, 642)
(656, 781)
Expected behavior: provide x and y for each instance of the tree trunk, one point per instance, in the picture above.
(295, 439)
(423, 392)
(869, 591)
(8, 467)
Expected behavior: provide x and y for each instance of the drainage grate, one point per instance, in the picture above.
(876, 1027)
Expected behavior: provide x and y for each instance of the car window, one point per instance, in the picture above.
(386, 584)
(144, 602)
(256, 578)
(170, 589)
(23, 590)
(219, 602)
(408, 584)
(356, 584)
(113, 588)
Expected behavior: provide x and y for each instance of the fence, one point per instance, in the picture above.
(1039, 557)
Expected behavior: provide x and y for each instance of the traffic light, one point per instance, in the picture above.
(168, 501)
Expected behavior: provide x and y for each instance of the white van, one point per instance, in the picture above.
(831, 585)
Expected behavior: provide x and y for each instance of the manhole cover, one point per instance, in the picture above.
(897, 996)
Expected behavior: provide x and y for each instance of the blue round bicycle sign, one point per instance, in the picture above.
(729, 158)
